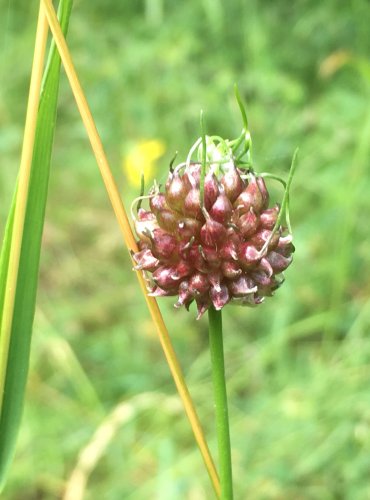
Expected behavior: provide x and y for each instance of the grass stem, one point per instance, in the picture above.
(220, 396)
(22, 196)
(129, 239)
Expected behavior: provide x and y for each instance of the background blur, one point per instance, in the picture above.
(299, 366)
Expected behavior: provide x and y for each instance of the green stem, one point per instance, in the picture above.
(220, 395)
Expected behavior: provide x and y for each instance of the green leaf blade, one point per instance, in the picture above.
(5, 253)
(25, 297)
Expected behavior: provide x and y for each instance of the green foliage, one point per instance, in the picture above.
(298, 366)
(17, 361)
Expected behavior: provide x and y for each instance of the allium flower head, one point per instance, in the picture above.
(210, 235)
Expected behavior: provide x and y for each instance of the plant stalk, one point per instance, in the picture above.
(22, 196)
(130, 241)
(220, 397)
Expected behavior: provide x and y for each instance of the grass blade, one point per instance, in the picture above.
(5, 252)
(21, 248)
(130, 241)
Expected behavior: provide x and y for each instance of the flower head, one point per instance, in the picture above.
(211, 235)
(141, 160)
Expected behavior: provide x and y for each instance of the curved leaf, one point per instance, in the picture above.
(17, 359)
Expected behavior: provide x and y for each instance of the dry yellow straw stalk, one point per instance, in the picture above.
(129, 239)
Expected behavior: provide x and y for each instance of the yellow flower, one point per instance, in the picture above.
(141, 159)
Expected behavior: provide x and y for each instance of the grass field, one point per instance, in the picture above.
(298, 366)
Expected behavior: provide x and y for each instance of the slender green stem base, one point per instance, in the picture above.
(220, 395)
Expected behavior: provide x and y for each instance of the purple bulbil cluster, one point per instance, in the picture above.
(222, 248)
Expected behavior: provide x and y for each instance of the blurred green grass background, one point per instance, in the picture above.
(298, 367)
